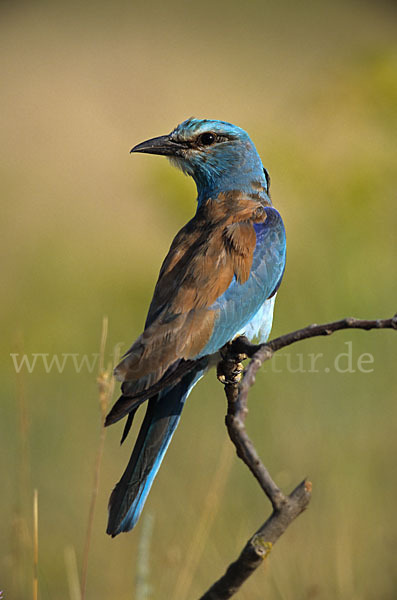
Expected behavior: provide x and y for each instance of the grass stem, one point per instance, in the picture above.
(35, 545)
(106, 387)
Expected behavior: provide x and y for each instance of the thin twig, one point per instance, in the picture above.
(263, 352)
(285, 508)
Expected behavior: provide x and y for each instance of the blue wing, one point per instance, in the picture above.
(239, 304)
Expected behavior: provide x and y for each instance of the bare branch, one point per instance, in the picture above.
(235, 423)
(263, 352)
(285, 508)
(259, 546)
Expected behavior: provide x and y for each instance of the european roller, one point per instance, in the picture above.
(218, 280)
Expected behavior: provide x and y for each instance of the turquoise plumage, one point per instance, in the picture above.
(218, 280)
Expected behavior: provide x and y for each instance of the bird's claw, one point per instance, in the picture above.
(229, 371)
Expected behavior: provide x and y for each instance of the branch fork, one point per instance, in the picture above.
(237, 384)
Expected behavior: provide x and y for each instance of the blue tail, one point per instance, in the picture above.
(161, 419)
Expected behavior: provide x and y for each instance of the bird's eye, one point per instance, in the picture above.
(207, 138)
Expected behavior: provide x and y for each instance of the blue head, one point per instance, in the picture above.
(218, 155)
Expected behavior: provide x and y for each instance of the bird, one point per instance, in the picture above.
(219, 280)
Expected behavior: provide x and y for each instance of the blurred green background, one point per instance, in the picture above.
(84, 228)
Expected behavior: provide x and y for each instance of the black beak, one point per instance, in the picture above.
(161, 145)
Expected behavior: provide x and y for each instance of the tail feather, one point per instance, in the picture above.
(128, 424)
(131, 399)
(161, 419)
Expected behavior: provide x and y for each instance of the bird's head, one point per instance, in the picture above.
(216, 154)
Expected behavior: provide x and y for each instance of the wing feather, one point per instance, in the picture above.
(220, 268)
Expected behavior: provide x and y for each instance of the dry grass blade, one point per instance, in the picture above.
(106, 387)
(20, 529)
(143, 588)
(35, 545)
(72, 573)
(212, 503)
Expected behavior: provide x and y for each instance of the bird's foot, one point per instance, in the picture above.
(229, 371)
(230, 367)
